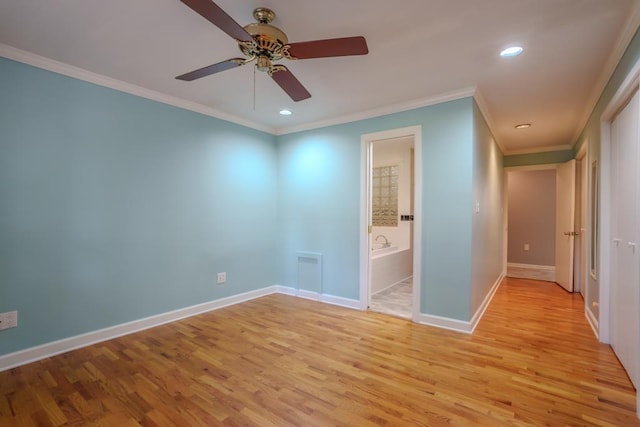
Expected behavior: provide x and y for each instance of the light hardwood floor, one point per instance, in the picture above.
(280, 361)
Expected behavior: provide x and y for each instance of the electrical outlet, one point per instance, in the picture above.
(8, 320)
(222, 277)
(526, 247)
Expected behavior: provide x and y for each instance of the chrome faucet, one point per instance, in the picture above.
(386, 241)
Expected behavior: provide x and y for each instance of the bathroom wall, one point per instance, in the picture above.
(114, 208)
(389, 153)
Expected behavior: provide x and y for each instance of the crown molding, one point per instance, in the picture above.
(619, 48)
(382, 111)
(48, 64)
(534, 150)
(482, 105)
(29, 58)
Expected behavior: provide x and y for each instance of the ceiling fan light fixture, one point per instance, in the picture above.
(523, 126)
(263, 63)
(285, 112)
(511, 51)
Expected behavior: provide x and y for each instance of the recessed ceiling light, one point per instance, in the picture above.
(511, 51)
(285, 112)
(523, 126)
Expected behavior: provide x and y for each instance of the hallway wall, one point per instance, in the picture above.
(532, 217)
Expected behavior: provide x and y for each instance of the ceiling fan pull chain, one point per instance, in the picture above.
(254, 88)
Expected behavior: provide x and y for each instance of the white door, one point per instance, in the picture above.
(584, 184)
(565, 215)
(580, 245)
(625, 253)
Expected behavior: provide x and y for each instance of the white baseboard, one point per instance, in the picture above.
(463, 326)
(316, 296)
(532, 271)
(591, 319)
(53, 348)
(485, 303)
(445, 323)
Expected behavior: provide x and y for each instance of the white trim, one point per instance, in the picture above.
(627, 33)
(101, 80)
(463, 326)
(591, 319)
(33, 354)
(53, 348)
(540, 167)
(286, 290)
(625, 90)
(48, 64)
(316, 296)
(445, 323)
(482, 105)
(485, 303)
(603, 268)
(622, 95)
(532, 271)
(547, 149)
(382, 111)
(532, 266)
(365, 267)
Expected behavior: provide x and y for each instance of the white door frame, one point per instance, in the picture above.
(582, 211)
(630, 84)
(505, 192)
(365, 221)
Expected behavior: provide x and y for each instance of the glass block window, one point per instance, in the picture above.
(384, 194)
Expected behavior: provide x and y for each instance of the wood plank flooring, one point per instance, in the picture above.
(280, 361)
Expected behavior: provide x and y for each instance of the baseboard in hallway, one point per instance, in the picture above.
(533, 272)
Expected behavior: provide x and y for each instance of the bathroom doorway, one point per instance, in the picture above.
(391, 285)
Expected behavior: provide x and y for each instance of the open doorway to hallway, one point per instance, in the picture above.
(546, 216)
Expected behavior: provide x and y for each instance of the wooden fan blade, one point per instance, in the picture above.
(218, 17)
(290, 84)
(345, 46)
(211, 69)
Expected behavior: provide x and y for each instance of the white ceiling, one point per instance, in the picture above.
(420, 51)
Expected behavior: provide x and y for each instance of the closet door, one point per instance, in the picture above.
(625, 228)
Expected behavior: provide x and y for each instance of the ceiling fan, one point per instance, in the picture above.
(266, 44)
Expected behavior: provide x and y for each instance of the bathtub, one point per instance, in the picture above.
(378, 250)
(389, 266)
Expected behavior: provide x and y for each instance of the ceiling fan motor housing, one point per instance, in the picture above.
(268, 41)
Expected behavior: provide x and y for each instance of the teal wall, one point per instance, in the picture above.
(487, 254)
(319, 203)
(544, 158)
(114, 207)
(591, 135)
